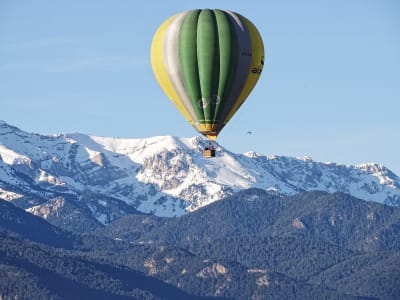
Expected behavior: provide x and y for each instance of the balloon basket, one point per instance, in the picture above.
(209, 153)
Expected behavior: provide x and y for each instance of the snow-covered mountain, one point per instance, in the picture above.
(165, 175)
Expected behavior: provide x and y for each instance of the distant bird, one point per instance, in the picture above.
(249, 132)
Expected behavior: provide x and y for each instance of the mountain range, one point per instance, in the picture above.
(251, 245)
(85, 181)
(108, 218)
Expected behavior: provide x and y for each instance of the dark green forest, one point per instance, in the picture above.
(252, 245)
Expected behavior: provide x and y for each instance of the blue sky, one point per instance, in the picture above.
(330, 88)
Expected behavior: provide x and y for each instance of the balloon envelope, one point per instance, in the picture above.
(207, 62)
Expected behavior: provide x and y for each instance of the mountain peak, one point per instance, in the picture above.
(7, 128)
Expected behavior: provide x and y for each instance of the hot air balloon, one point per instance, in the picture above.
(207, 62)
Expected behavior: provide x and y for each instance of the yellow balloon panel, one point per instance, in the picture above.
(160, 71)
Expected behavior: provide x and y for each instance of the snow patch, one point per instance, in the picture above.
(8, 195)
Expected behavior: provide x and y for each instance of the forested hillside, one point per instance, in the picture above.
(252, 245)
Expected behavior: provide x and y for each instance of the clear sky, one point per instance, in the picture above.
(330, 88)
